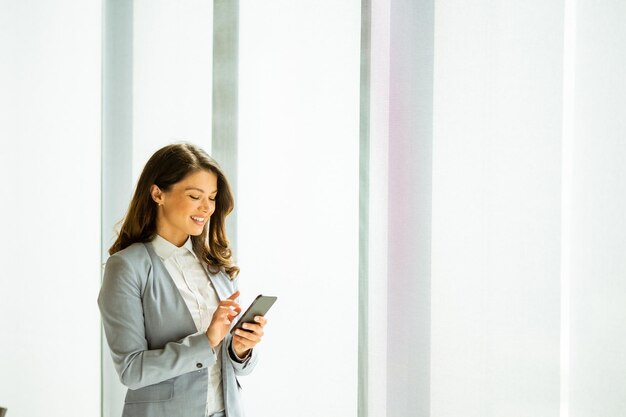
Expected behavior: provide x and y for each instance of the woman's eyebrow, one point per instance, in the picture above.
(199, 189)
(194, 188)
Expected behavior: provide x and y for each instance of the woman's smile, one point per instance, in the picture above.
(199, 220)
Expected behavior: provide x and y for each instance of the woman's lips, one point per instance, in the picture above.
(198, 220)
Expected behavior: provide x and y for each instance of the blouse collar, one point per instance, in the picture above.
(165, 249)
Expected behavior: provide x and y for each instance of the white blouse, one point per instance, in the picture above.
(201, 299)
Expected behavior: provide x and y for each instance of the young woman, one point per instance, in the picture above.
(169, 293)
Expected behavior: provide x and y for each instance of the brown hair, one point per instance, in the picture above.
(165, 168)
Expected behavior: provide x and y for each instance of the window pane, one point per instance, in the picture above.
(298, 200)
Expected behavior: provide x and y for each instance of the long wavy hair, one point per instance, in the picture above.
(165, 168)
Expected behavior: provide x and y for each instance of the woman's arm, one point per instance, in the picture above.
(122, 316)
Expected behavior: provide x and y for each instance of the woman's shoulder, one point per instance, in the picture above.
(133, 252)
(132, 257)
(131, 263)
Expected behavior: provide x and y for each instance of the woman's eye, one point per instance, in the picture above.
(212, 199)
(194, 197)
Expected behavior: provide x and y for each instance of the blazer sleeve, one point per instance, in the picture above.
(122, 317)
(240, 368)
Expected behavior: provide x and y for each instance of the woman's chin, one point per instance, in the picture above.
(197, 231)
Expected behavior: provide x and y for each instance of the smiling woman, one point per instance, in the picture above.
(169, 293)
(186, 207)
(165, 197)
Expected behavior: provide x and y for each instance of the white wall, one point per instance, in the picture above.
(376, 389)
(172, 82)
(410, 206)
(496, 209)
(598, 223)
(50, 209)
(298, 201)
(524, 300)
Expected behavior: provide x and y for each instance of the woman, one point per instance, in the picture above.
(169, 293)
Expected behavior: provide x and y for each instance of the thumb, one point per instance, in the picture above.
(234, 295)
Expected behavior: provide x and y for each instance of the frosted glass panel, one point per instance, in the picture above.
(598, 264)
(172, 75)
(50, 207)
(496, 209)
(298, 201)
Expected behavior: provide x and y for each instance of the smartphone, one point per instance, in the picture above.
(259, 307)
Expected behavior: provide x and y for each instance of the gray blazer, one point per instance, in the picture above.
(157, 351)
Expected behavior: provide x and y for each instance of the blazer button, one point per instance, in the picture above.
(198, 365)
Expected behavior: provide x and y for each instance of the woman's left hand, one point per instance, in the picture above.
(244, 340)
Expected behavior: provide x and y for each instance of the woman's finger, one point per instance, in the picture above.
(227, 310)
(229, 303)
(261, 320)
(246, 343)
(255, 328)
(256, 337)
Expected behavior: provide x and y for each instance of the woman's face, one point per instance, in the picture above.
(185, 209)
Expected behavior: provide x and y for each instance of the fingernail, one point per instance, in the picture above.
(245, 325)
(257, 319)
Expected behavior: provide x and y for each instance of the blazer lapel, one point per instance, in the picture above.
(166, 280)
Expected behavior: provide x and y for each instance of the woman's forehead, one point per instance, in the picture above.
(203, 181)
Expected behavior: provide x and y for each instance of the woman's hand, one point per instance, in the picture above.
(226, 311)
(244, 340)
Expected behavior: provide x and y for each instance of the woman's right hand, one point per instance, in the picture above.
(226, 311)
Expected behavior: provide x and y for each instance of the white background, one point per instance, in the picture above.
(298, 200)
(50, 207)
(496, 210)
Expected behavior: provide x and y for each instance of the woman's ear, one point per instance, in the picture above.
(156, 194)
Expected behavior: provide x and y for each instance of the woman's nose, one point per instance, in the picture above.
(207, 204)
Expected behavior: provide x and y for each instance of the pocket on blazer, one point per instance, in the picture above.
(163, 391)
